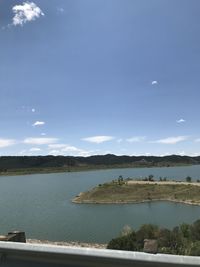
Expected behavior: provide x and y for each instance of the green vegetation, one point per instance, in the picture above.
(136, 191)
(188, 179)
(12, 165)
(182, 240)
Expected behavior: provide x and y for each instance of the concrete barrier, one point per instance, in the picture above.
(20, 254)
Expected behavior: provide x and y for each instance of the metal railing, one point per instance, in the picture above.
(21, 254)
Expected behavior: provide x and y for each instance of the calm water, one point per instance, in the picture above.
(41, 205)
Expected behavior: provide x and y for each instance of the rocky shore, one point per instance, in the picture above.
(67, 244)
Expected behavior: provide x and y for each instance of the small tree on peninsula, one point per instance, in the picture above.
(188, 179)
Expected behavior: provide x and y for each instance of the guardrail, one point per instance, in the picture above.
(21, 254)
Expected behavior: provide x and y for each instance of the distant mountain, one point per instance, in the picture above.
(11, 163)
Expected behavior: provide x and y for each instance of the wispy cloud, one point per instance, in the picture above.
(35, 149)
(6, 142)
(136, 139)
(33, 110)
(154, 82)
(54, 152)
(26, 12)
(171, 140)
(98, 139)
(119, 140)
(39, 141)
(22, 152)
(38, 123)
(60, 10)
(64, 149)
(180, 121)
(56, 146)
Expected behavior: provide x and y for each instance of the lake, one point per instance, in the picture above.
(41, 205)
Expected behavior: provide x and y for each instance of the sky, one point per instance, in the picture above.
(88, 77)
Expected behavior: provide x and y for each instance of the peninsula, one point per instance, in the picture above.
(132, 191)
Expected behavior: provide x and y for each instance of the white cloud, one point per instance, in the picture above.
(71, 149)
(98, 139)
(6, 142)
(196, 154)
(180, 121)
(26, 12)
(119, 140)
(56, 146)
(163, 154)
(22, 152)
(171, 140)
(78, 152)
(64, 149)
(39, 141)
(154, 82)
(33, 110)
(60, 10)
(34, 149)
(197, 140)
(38, 123)
(181, 153)
(54, 152)
(84, 153)
(136, 139)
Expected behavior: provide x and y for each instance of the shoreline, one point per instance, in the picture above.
(135, 202)
(67, 244)
(81, 169)
(79, 199)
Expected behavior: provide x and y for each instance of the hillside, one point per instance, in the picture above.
(33, 164)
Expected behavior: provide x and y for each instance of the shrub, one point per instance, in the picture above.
(195, 231)
(127, 242)
(195, 249)
(164, 238)
(182, 240)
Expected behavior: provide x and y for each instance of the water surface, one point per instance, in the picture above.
(41, 205)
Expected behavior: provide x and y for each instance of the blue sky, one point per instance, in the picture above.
(85, 77)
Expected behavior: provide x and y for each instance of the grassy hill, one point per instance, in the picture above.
(35, 164)
(141, 191)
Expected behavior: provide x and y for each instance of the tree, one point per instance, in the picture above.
(150, 178)
(120, 180)
(188, 179)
